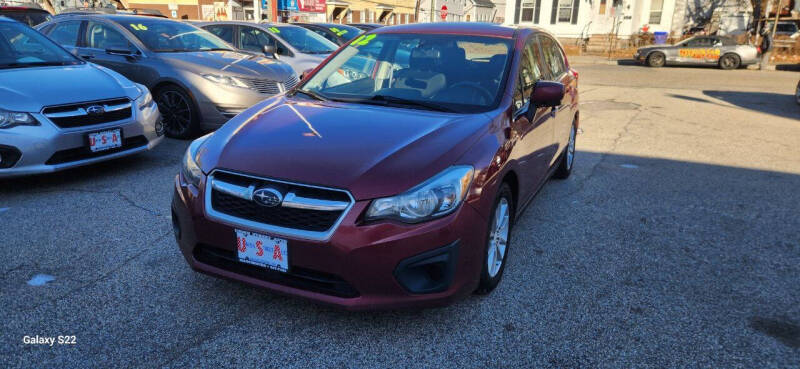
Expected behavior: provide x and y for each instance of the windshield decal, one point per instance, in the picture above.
(139, 27)
(338, 32)
(363, 40)
(274, 29)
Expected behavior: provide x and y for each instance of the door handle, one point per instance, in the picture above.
(86, 56)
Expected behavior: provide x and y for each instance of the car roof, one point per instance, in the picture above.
(23, 8)
(460, 28)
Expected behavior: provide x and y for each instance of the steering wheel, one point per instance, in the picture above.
(475, 87)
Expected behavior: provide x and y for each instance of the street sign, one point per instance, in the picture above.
(444, 12)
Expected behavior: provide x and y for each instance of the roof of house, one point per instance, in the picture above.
(484, 3)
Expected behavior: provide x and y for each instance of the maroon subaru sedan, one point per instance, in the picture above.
(392, 175)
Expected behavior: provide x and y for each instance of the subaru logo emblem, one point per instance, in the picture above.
(95, 110)
(268, 197)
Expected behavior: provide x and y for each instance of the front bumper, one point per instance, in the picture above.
(384, 265)
(48, 148)
(219, 103)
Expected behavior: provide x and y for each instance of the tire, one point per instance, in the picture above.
(730, 62)
(567, 160)
(656, 59)
(797, 94)
(503, 209)
(178, 112)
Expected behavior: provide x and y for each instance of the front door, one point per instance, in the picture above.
(532, 125)
(106, 45)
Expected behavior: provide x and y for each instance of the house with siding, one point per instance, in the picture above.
(573, 20)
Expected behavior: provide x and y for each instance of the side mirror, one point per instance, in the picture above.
(306, 73)
(270, 51)
(547, 94)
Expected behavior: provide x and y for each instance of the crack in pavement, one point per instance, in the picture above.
(118, 193)
(103, 276)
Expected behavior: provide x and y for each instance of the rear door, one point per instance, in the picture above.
(558, 71)
(66, 34)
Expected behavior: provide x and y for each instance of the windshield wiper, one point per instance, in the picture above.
(388, 99)
(310, 93)
(34, 64)
(216, 49)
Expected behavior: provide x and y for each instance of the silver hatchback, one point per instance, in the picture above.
(58, 112)
(198, 81)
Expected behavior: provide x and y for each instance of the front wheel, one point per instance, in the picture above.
(496, 252)
(567, 160)
(657, 60)
(178, 112)
(797, 94)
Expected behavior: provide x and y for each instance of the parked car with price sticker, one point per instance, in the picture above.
(721, 51)
(339, 34)
(59, 112)
(295, 45)
(397, 188)
(198, 81)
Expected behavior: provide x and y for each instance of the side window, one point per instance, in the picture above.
(223, 32)
(253, 39)
(553, 57)
(103, 36)
(327, 35)
(700, 42)
(65, 33)
(529, 73)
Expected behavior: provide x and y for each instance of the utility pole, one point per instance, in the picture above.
(416, 11)
(777, 16)
(432, 16)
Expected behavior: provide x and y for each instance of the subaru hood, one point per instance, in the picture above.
(372, 151)
(58, 85)
(229, 63)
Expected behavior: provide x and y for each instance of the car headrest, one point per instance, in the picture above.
(423, 58)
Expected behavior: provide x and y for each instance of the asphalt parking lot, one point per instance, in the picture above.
(676, 243)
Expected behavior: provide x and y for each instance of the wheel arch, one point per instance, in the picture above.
(513, 182)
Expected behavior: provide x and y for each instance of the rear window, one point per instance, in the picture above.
(31, 18)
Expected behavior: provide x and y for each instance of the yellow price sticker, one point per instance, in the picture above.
(363, 40)
(139, 27)
(274, 30)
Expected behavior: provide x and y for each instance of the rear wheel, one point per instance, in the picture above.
(178, 113)
(656, 60)
(729, 61)
(496, 252)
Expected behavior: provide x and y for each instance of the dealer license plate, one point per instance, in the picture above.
(105, 140)
(262, 250)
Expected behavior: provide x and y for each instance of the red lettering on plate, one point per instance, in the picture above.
(105, 139)
(242, 244)
(91, 141)
(260, 250)
(114, 138)
(276, 253)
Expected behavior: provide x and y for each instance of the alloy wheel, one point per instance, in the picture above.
(498, 239)
(571, 148)
(176, 112)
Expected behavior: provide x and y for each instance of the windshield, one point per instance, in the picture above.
(435, 72)
(29, 18)
(346, 32)
(170, 36)
(304, 40)
(21, 47)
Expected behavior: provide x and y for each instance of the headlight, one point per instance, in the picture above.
(10, 119)
(145, 100)
(226, 80)
(190, 170)
(433, 198)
